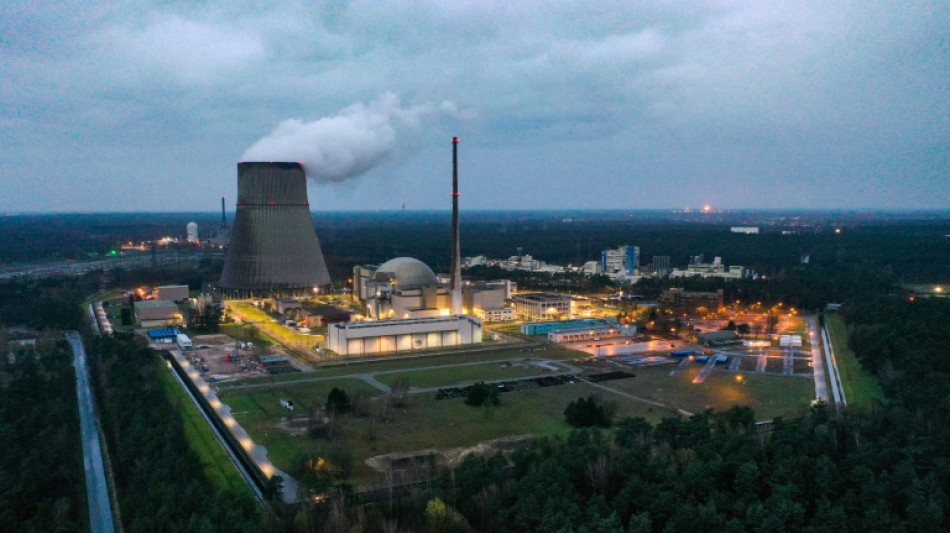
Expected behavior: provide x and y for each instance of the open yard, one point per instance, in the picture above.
(768, 395)
(426, 423)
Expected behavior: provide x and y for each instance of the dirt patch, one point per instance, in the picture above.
(297, 424)
(407, 462)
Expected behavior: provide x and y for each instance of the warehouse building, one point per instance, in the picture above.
(157, 313)
(401, 336)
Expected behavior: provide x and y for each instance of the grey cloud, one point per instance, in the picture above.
(680, 98)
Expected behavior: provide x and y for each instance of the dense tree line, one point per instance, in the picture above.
(52, 303)
(41, 466)
(158, 478)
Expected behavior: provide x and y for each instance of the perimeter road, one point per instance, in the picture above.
(836, 389)
(97, 492)
(817, 363)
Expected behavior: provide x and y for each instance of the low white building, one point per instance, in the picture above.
(542, 306)
(503, 314)
(748, 230)
(400, 336)
(172, 293)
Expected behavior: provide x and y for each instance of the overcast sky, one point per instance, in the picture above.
(589, 104)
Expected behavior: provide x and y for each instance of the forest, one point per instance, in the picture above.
(886, 468)
(157, 476)
(41, 467)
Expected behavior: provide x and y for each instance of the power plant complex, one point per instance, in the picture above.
(274, 250)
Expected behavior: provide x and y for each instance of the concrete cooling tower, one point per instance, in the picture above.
(274, 250)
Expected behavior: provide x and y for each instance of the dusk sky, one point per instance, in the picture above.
(118, 106)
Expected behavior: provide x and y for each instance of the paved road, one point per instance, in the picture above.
(763, 360)
(837, 391)
(97, 491)
(821, 386)
(788, 362)
(703, 372)
(679, 368)
(735, 363)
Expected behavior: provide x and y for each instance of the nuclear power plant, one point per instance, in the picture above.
(274, 250)
(424, 314)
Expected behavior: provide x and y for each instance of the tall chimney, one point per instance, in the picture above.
(224, 221)
(456, 247)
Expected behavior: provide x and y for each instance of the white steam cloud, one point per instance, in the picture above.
(353, 141)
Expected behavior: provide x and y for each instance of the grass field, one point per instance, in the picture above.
(464, 374)
(443, 424)
(768, 395)
(215, 462)
(424, 423)
(384, 363)
(860, 389)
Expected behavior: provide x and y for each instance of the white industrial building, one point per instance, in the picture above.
(747, 230)
(542, 306)
(172, 293)
(399, 336)
(404, 288)
(622, 261)
(716, 269)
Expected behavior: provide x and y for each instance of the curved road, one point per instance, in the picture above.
(97, 491)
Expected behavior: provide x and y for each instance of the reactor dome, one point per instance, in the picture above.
(408, 273)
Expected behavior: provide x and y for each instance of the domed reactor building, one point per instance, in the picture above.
(274, 249)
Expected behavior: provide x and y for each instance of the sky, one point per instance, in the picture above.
(136, 106)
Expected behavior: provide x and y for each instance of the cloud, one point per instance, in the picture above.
(351, 142)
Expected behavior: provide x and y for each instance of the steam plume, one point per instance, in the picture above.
(351, 142)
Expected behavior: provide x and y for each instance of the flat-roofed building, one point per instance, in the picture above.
(157, 313)
(680, 301)
(317, 316)
(542, 306)
(401, 336)
(172, 293)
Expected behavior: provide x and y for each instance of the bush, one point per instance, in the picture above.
(590, 412)
(337, 401)
(480, 393)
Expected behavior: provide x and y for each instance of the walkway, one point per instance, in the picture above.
(97, 491)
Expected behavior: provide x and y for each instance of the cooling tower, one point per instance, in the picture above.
(274, 249)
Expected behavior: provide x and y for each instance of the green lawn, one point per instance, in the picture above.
(424, 423)
(215, 461)
(443, 424)
(388, 363)
(259, 411)
(768, 395)
(860, 388)
(464, 374)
